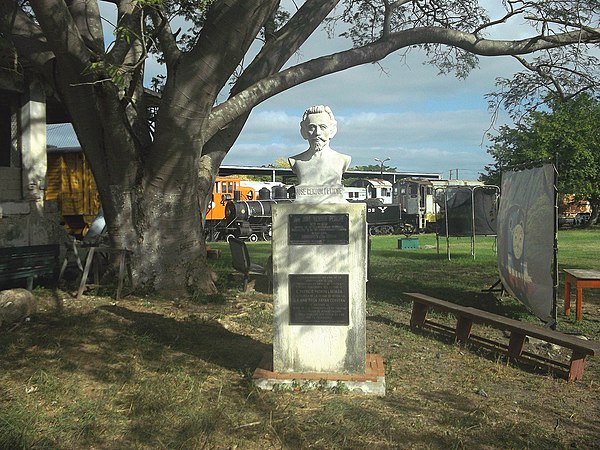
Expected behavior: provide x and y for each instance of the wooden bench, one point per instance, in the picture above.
(518, 330)
(28, 262)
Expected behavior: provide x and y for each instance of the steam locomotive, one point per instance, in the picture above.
(251, 219)
(408, 206)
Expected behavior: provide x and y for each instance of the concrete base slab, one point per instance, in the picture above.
(372, 382)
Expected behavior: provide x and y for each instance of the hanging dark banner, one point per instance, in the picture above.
(470, 210)
(526, 238)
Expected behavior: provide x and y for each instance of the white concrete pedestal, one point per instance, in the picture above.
(319, 288)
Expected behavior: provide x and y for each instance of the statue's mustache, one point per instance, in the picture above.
(318, 143)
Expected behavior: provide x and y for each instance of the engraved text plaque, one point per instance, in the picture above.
(319, 299)
(318, 229)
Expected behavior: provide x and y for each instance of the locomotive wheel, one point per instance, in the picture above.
(266, 237)
(253, 237)
(372, 231)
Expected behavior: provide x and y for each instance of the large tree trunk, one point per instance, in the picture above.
(158, 216)
(159, 220)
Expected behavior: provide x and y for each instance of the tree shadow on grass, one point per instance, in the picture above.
(102, 343)
(210, 342)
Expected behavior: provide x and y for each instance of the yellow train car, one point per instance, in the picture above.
(71, 185)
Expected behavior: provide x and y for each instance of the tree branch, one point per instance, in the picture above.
(165, 35)
(286, 42)
(276, 52)
(61, 32)
(389, 9)
(128, 33)
(86, 16)
(25, 34)
(544, 75)
(233, 27)
(268, 87)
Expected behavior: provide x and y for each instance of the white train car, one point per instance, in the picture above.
(376, 188)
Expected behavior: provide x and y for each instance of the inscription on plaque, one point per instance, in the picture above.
(318, 229)
(319, 299)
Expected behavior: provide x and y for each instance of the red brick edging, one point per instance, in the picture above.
(373, 370)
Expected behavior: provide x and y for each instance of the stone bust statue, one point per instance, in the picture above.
(320, 165)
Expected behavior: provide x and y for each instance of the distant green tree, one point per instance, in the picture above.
(374, 168)
(369, 168)
(569, 134)
(280, 163)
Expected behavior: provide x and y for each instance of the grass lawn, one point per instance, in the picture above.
(148, 373)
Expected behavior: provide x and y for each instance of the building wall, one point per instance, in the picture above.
(25, 218)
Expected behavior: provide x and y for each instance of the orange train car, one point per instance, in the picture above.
(225, 189)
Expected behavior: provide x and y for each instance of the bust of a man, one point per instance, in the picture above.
(320, 165)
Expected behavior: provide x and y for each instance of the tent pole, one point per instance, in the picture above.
(473, 221)
(555, 262)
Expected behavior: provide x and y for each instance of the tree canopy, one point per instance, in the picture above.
(567, 134)
(155, 158)
(375, 168)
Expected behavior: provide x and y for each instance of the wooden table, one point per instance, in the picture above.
(583, 279)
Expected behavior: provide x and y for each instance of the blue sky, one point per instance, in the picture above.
(422, 121)
(399, 109)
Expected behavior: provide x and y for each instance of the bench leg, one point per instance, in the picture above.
(62, 268)
(419, 313)
(463, 328)
(576, 366)
(515, 344)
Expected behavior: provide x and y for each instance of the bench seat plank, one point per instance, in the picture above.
(467, 315)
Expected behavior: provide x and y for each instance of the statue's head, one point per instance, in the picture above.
(318, 126)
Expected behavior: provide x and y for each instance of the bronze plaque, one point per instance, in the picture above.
(318, 229)
(319, 299)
